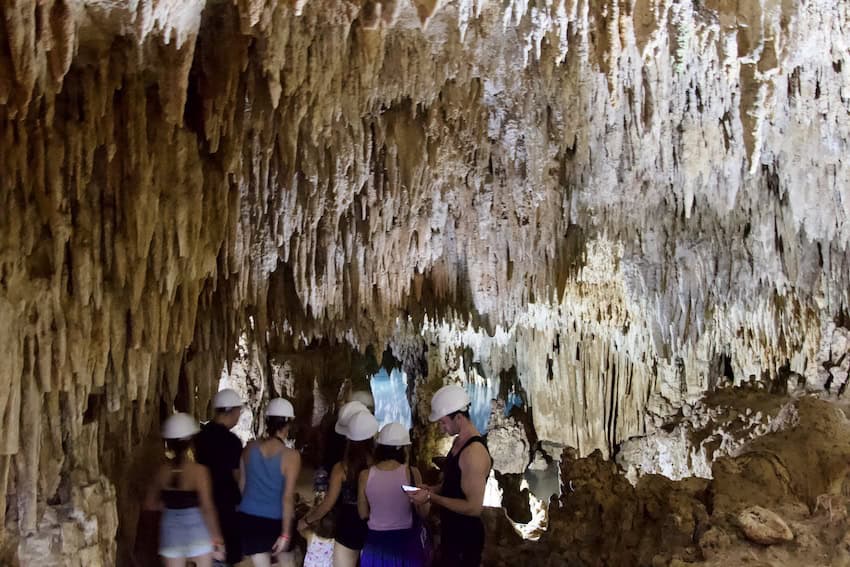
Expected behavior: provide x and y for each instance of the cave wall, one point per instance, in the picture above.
(654, 183)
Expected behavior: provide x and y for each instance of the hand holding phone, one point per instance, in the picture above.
(408, 488)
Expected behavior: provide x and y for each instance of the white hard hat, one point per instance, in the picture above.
(279, 407)
(448, 399)
(363, 397)
(362, 426)
(179, 426)
(394, 435)
(227, 398)
(346, 412)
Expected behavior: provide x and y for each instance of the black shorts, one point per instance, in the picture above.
(258, 534)
(350, 531)
(461, 545)
(229, 521)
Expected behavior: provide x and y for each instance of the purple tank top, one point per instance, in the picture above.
(389, 506)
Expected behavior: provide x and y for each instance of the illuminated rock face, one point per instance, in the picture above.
(613, 195)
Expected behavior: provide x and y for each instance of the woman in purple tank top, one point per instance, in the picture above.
(392, 540)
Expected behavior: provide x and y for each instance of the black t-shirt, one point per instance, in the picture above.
(219, 449)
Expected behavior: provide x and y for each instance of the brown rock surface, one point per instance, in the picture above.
(763, 526)
(607, 521)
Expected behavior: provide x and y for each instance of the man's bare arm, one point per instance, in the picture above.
(475, 468)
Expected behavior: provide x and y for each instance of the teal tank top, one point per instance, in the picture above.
(264, 485)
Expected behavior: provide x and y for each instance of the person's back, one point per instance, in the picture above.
(320, 543)
(270, 471)
(183, 532)
(391, 540)
(218, 449)
(181, 489)
(389, 506)
(320, 552)
(351, 530)
(264, 481)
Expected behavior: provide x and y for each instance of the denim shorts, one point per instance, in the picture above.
(183, 533)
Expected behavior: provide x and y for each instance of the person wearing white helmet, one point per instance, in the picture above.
(392, 540)
(220, 450)
(359, 428)
(269, 474)
(336, 440)
(364, 398)
(465, 471)
(181, 489)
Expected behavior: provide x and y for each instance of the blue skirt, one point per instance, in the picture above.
(393, 548)
(183, 533)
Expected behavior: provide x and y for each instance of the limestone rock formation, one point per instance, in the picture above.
(606, 199)
(764, 495)
(721, 424)
(763, 526)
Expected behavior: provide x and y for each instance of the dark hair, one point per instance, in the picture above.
(358, 456)
(275, 423)
(326, 526)
(464, 412)
(390, 453)
(180, 447)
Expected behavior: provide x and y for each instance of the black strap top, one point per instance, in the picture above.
(179, 499)
(348, 493)
(452, 487)
(175, 499)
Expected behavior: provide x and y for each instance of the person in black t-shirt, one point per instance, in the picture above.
(220, 450)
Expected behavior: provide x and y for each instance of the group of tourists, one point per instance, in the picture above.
(228, 502)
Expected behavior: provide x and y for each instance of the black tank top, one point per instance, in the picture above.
(351, 530)
(453, 522)
(174, 499)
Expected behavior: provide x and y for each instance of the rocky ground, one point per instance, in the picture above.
(797, 473)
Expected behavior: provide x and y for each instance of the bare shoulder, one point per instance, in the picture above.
(338, 471)
(292, 455)
(476, 456)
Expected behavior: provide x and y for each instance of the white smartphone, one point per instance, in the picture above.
(408, 488)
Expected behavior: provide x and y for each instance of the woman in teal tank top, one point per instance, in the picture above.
(269, 473)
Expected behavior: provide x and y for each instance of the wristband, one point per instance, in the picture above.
(284, 537)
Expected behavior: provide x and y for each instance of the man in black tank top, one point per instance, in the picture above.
(461, 494)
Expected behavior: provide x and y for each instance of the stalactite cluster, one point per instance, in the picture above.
(629, 189)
